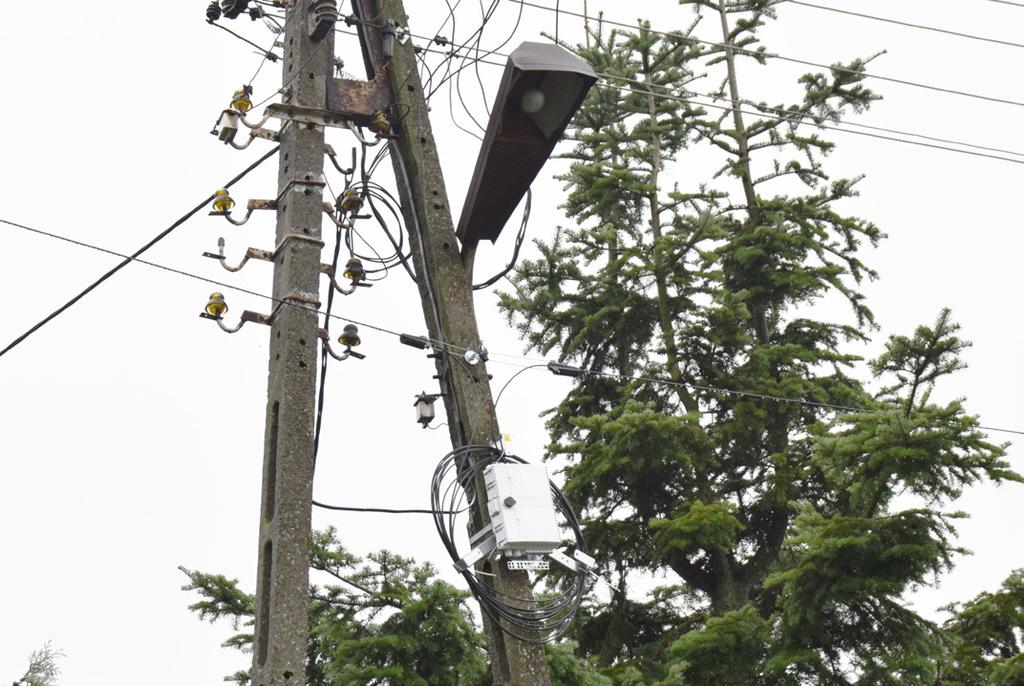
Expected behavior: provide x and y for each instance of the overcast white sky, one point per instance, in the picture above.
(132, 430)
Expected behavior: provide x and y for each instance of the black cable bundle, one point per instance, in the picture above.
(542, 619)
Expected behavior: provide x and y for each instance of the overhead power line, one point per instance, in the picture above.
(1008, 2)
(129, 258)
(908, 24)
(801, 119)
(790, 115)
(197, 277)
(794, 60)
(521, 361)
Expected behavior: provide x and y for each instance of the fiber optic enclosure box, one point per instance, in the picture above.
(522, 510)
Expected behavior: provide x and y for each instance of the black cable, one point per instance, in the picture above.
(532, 620)
(323, 353)
(520, 238)
(558, 15)
(793, 60)
(382, 510)
(127, 260)
(908, 24)
(449, 347)
(513, 378)
(267, 54)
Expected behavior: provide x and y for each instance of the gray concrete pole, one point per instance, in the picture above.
(282, 622)
(447, 298)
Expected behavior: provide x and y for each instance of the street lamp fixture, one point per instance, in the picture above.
(542, 88)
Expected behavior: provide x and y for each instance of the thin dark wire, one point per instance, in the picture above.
(267, 54)
(128, 258)
(385, 510)
(289, 82)
(1007, 2)
(801, 120)
(214, 282)
(272, 44)
(516, 248)
(794, 60)
(374, 327)
(908, 24)
(558, 15)
(321, 392)
(513, 378)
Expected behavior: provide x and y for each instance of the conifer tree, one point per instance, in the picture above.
(776, 522)
(381, 620)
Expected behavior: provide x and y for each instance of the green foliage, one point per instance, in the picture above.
(382, 620)
(730, 650)
(781, 522)
(987, 635)
(791, 493)
(569, 670)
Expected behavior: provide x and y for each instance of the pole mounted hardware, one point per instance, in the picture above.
(321, 18)
(349, 338)
(227, 126)
(223, 203)
(217, 307)
(354, 270)
(542, 88)
(425, 407)
(233, 8)
(531, 524)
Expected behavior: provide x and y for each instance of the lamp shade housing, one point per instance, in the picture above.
(542, 88)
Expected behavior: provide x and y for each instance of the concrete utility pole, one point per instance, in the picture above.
(282, 623)
(447, 297)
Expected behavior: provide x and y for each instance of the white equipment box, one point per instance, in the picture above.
(522, 511)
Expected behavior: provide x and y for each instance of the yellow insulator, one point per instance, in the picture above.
(240, 101)
(216, 306)
(350, 336)
(351, 200)
(354, 270)
(222, 201)
(380, 124)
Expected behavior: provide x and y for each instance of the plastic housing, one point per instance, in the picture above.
(522, 511)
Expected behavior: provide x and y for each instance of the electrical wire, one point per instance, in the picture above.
(222, 284)
(129, 258)
(803, 120)
(625, 379)
(324, 355)
(520, 238)
(267, 54)
(794, 60)
(452, 348)
(907, 24)
(531, 620)
(382, 510)
(515, 376)
(294, 76)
